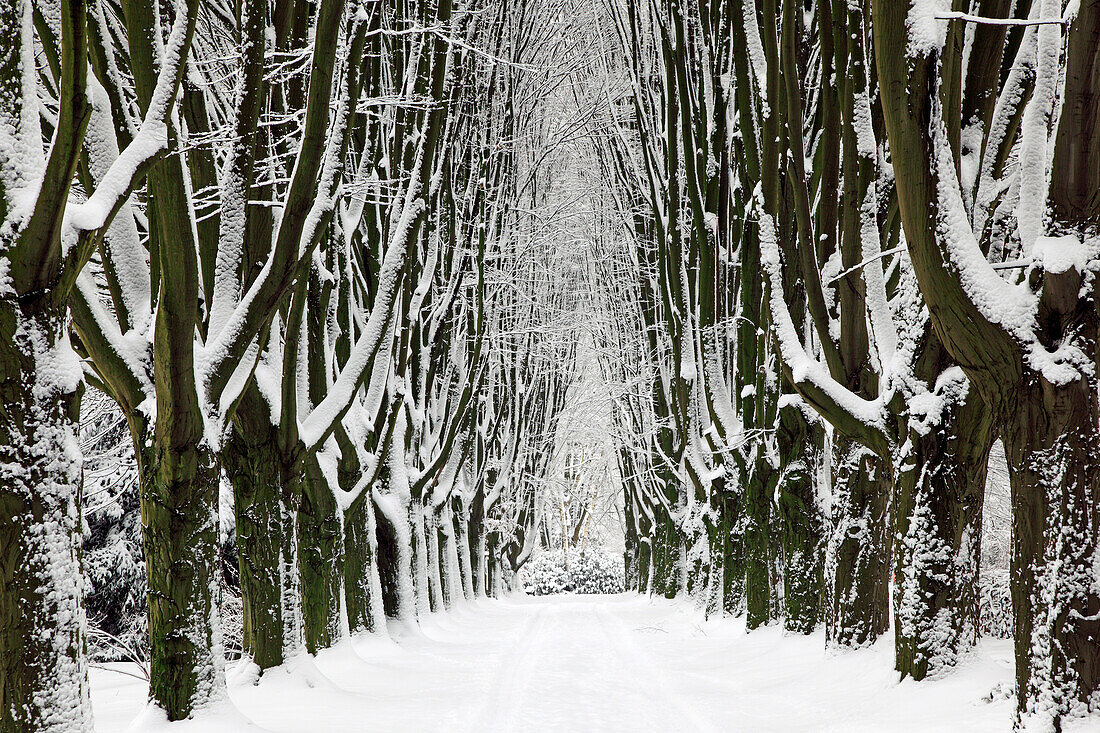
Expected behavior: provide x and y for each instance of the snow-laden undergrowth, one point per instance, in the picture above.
(573, 571)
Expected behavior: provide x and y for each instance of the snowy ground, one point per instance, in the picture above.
(595, 663)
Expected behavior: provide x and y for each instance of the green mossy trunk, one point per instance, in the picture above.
(756, 536)
(733, 557)
(43, 670)
(320, 559)
(179, 513)
(264, 511)
(667, 551)
(362, 589)
(858, 557)
(801, 443)
(938, 520)
(1052, 443)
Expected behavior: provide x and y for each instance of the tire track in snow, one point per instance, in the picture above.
(655, 681)
(503, 694)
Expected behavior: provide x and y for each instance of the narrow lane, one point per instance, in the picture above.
(581, 664)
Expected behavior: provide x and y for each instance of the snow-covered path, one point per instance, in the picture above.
(595, 663)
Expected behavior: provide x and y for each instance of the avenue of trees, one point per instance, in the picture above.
(859, 246)
(345, 260)
(278, 237)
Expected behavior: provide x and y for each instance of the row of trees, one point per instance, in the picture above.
(858, 247)
(281, 237)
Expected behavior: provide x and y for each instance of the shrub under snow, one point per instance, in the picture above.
(591, 571)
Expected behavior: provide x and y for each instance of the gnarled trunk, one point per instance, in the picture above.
(938, 510)
(1052, 443)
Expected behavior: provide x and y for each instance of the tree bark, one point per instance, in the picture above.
(938, 510)
(801, 442)
(857, 561)
(733, 560)
(1052, 444)
(43, 670)
(320, 558)
(266, 548)
(756, 503)
(362, 585)
(179, 512)
(666, 556)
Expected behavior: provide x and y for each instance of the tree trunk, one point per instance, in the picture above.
(43, 671)
(420, 567)
(756, 503)
(462, 542)
(435, 579)
(938, 509)
(733, 560)
(1052, 445)
(492, 564)
(476, 534)
(645, 565)
(320, 559)
(801, 442)
(395, 556)
(666, 555)
(362, 585)
(630, 544)
(179, 513)
(449, 572)
(857, 559)
(697, 558)
(265, 544)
